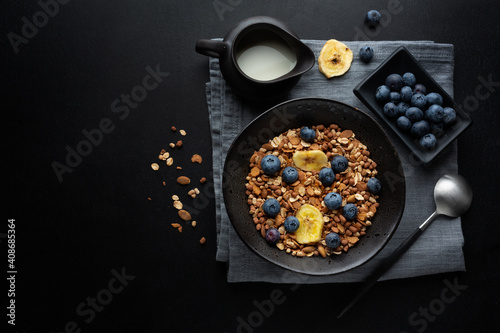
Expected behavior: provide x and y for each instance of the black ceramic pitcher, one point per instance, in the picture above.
(252, 31)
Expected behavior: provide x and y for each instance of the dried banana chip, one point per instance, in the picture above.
(335, 58)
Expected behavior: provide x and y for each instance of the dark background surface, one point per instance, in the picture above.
(72, 234)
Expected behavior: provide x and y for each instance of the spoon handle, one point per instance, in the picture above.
(385, 264)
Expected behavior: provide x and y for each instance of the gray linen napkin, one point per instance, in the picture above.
(438, 250)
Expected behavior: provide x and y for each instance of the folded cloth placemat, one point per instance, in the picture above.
(438, 250)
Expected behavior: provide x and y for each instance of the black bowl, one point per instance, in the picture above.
(400, 62)
(315, 111)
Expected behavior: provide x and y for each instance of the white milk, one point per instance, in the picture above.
(267, 60)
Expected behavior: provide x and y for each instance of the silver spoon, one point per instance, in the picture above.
(453, 196)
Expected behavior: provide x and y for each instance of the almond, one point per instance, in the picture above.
(183, 180)
(346, 134)
(308, 249)
(184, 215)
(322, 251)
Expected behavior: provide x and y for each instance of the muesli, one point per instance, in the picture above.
(312, 191)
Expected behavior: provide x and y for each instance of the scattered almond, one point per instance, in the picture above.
(202, 240)
(184, 215)
(203, 180)
(178, 144)
(183, 132)
(155, 166)
(183, 180)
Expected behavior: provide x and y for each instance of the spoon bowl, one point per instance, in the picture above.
(453, 195)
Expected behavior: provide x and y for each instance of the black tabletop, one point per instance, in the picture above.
(90, 91)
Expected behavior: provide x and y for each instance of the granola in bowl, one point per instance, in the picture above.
(323, 178)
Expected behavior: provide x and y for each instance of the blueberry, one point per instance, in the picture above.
(414, 114)
(390, 110)
(374, 185)
(366, 54)
(420, 128)
(395, 97)
(373, 16)
(382, 94)
(333, 201)
(419, 89)
(271, 207)
(403, 123)
(272, 236)
(418, 100)
(350, 211)
(292, 224)
(434, 98)
(290, 175)
(409, 79)
(406, 93)
(270, 164)
(437, 129)
(449, 116)
(307, 134)
(326, 176)
(428, 141)
(332, 240)
(402, 107)
(339, 163)
(394, 82)
(435, 113)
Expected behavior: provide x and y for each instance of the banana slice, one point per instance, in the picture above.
(311, 224)
(334, 59)
(309, 160)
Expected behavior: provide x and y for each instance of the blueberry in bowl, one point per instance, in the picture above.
(290, 175)
(307, 134)
(270, 164)
(271, 207)
(333, 201)
(326, 176)
(426, 92)
(339, 163)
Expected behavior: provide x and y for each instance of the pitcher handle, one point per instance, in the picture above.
(211, 48)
